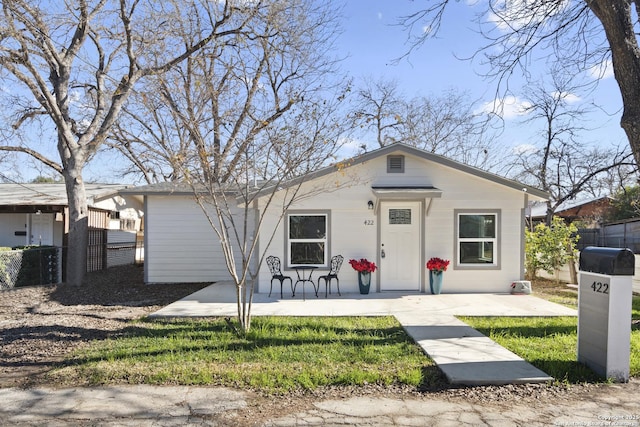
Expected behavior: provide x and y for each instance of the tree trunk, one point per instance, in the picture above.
(616, 19)
(78, 238)
(548, 219)
(573, 274)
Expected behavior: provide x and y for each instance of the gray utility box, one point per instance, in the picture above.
(605, 289)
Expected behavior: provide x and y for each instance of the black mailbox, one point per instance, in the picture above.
(609, 261)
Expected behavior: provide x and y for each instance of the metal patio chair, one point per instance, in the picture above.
(336, 263)
(276, 274)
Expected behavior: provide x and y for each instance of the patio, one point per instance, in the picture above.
(462, 353)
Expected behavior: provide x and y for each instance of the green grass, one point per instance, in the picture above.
(635, 307)
(562, 294)
(279, 354)
(549, 343)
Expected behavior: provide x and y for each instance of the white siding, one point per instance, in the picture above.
(351, 237)
(12, 223)
(180, 245)
(462, 191)
(9, 225)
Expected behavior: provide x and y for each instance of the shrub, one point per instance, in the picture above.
(549, 248)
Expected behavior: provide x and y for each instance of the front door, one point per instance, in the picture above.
(41, 229)
(400, 257)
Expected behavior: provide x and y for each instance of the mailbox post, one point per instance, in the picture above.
(605, 288)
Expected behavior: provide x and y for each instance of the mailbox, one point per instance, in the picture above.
(605, 289)
(610, 261)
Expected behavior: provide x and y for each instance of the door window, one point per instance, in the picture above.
(400, 216)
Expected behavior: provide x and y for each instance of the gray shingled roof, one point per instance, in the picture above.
(51, 194)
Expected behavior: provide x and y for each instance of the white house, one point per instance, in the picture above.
(37, 214)
(397, 206)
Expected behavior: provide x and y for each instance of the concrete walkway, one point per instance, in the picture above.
(463, 354)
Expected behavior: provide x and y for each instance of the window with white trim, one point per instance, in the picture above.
(477, 239)
(307, 239)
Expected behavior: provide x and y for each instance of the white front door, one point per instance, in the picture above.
(400, 257)
(41, 229)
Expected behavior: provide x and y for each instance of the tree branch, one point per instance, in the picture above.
(55, 166)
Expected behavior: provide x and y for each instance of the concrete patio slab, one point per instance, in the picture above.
(463, 354)
(219, 300)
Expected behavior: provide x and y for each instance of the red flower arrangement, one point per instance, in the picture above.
(437, 265)
(363, 265)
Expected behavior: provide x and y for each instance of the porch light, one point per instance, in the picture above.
(370, 205)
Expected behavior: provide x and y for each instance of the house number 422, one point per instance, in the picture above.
(368, 222)
(599, 287)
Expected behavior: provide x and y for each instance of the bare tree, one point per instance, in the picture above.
(449, 124)
(244, 123)
(379, 106)
(75, 63)
(559, 161)
(580, 36)
(452, 125)
(146, 136)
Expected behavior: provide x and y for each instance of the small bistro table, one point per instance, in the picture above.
(304, 273)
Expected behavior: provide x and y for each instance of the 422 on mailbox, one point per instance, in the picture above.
(600, 287)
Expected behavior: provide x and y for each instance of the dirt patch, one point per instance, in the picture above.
(40, 325)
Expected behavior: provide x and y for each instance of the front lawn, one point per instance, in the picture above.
(548, 343)
(282, 354)
(279, 354)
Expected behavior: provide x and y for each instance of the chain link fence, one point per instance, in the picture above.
(30, 266)
(122, 253)
(10, 263)
(42, 265)
(122, 247)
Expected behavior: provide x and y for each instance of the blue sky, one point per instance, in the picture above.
(373, 40)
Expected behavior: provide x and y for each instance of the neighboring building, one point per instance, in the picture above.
(38, 215)
(397, 206)
(591, 213)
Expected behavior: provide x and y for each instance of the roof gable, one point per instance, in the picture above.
(399, 148)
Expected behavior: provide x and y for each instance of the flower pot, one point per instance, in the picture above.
(364, 281)
(435, 281)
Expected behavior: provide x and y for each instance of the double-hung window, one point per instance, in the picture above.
(477, 238)
(307, 238)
